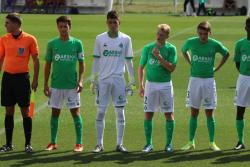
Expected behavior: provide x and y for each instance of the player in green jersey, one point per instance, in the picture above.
(160, 59)
(63, 53)
(242, 97)
(202, 88)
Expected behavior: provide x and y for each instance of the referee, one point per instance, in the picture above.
(16, 47)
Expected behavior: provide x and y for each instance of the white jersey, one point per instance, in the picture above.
(112, 53)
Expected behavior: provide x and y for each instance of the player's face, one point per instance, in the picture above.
(113, 25)
(161, 36)
(203, 35)
(63, 28)
(247, 28)
(10, 26)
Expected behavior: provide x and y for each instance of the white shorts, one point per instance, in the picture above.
(201, 92)
(159, 97)
(112, 87)
(59, 96)
(242, 93)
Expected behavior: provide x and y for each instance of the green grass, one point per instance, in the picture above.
(142, 29)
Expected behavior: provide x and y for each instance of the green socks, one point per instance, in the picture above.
(78, 127)
(192, 128)
(148, 125)
(211, 127)
(240, 130)
(169, 131)
(54, 128)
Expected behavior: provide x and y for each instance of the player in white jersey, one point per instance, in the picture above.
(113, 49)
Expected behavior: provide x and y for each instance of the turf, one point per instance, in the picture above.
(142, 29)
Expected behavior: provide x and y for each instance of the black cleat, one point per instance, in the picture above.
(6, 148)
(28, 148)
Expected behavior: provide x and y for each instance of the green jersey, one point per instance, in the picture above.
(242, 55)
(155, 72)
(203, 56)
(64, 56)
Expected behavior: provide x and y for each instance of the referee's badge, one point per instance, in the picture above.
(20, 51)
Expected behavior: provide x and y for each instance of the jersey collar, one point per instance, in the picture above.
(116, 35)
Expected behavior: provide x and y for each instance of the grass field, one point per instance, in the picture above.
(142, 29)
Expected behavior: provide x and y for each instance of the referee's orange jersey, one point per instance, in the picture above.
(16, 52)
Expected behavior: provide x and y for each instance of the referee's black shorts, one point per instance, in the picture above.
(15, 89)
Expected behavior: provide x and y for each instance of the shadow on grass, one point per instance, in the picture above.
(57, 157)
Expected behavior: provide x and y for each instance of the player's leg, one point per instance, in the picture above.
(193, 100)
(100, 126)
(73, 103)
(209, 103)
(55, 103)
(169, 126)
(242, 99)
(151, 102)
(118, 94)
(102, 99)
(9, 126)
(167, 106)
(22, 94)
(8, 100)
(240, 124)
(78, 128)
(120, 126)
(211, 129)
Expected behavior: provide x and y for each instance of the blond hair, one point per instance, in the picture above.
(164, 27)
(205, 25)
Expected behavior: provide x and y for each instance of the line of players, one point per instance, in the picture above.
(112, 53)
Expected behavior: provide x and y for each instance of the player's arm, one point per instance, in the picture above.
(166, 64)
(129, 64)
(187, 57)
(1, 63)
(80, 80)
(47, 68)
(237, 64)
(141, 80)
(223, 60)
(36, 72)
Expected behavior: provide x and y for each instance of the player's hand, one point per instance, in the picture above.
(141, 91)
(130, 87)
(46, 91)
(79, 87)
(156, 53)
(34, 85)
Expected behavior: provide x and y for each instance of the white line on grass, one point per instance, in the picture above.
(44, 105)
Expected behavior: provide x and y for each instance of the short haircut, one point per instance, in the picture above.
(205, 25)
(15, 18)
(164, 27)
(248, 21)
(113, 15)
(64, 19)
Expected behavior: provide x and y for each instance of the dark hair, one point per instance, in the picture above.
(15, 18)
(64, 19)
(113, 15)
(248, 21)
(205, 25)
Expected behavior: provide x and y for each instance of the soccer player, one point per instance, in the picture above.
(16, 48)
(160, 60)
(242, 98)
(63, 53)
(202, 88)
(112, 50)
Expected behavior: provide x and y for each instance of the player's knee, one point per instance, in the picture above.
(101, 114)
